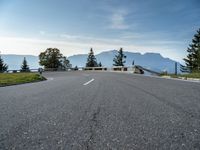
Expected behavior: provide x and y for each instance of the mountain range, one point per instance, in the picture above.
(153, 61)
(14, 62)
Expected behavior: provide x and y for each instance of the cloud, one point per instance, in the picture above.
(117, 20)
(72, 44)
(131, 35)
(42, 32)
(164, 42)
(67, 36)
(89, 39)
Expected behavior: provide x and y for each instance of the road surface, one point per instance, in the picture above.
(100, 110)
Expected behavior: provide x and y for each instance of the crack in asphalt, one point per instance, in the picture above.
(92, 129)
(166, 102)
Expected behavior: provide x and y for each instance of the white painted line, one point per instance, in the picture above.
(50, 79)
(88, 82)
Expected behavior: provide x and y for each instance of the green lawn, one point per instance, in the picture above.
(19, 78)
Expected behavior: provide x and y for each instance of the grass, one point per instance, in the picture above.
(19, 78)
(190, 75)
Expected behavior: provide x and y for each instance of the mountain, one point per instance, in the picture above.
(153, 61)
(14, 62)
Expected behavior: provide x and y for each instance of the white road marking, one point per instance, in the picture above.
(88, 82)
(50, 79)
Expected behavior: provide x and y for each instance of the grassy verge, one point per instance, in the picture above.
(19, 78)
(191, 75)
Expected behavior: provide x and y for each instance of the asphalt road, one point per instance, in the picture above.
(91, 111)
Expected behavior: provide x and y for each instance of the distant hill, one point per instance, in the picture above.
(153, 61)
(14, 62)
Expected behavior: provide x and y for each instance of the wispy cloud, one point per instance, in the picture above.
(89, 39)
(80, 45)
(131, 35)
(117, 20)
(68, 36)
(42, 32)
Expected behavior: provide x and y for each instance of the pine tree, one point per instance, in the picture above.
(76, 68)
(133, 63)
(100, 65)
(25, 67)
(184, 69)
(91, 60)
(193, 58)
(119, 58)
(3, 66)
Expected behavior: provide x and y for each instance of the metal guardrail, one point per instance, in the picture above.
(148, 70)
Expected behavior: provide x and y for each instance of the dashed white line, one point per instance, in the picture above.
(88, 82)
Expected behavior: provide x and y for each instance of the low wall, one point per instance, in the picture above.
(120, 68)
(95, 68)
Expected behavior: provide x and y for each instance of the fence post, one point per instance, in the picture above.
(176, 68)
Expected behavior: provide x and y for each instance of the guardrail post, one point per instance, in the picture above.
(176, 68)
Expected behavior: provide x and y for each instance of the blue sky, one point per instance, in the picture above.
(73, 26)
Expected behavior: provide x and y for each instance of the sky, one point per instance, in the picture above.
(74, 26)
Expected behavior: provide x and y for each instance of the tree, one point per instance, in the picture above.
(100, 65)
(25, 67)
(3, 66)
(52, 58)
(119, 58)
(192, 60)
(91, 60)
(133, 63)
(184, 69)
(65, 63)
(76, 68)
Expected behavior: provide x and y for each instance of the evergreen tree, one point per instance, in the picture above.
(100, 65)
(119, 58)
(184, 69)
(3, 66)
(25, 67)
(133, 63)
(76, 68)
(91, 60)
(193, 58)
